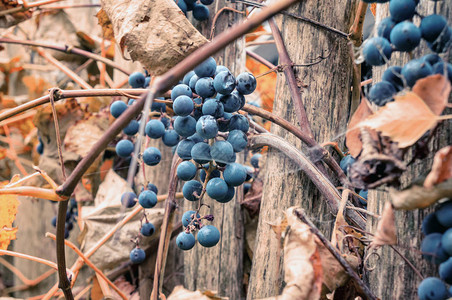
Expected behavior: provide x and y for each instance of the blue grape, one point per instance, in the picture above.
(158, 106)
(239, 122)
(401, 10)
(432, 58)
(170, 138)
(147, 81)
(385, 26)
(117, 108)
(185, 126)
(184, 148)
(208, 236)
(432, 26)
(213, 107)
(185, 241)
(381, 93)
(179, 90)
(40, 148)
(207, 68)
(182, 5)
(231, 102)
(191, 187)
(416, 69)
(207, 2)
(213, 174)
(155, 129)
(200, 12)
(187, 217)
(152, 156)
(432, 249)
(187, 77)
(445, 271)
(234, 174)
(183, 106)
(376, 51)
(238, 140)
(224, 82)
(223, 123)
(186, 170)
(430, 224)
(222, 152)
(246, 187)
(443, 42)
(193, 81)
(204, 87)
(190, 5)
(240, 97)
(221, 68)
(446, 241)
(229, 195)
(255, 160)
(54, 221)
(201, 153)
(246, 83)
(432, 288)
(444, 214)
(346, 163)
(131, 128)
(207, 127)
(124, 148)
(147, 199)
(394, 76)
(128, 199)
(137, 80)
(216, 188)
(196, 138)
(137, 255)
(364, 194)
(152, 187)
(405, 36)
(439, 67)
(147, 229)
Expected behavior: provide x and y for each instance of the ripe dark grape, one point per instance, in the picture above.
(416, 69)
(207, 68)
(444, 214)
(430, 224)
(216, 188)
(187, 217)
(128, 199)
(223, 123)
(200, 153)
(131, 128)
(432, 26)
(185, 241)
(394, 76)
(238, 140)
(137, 255)
(184, 148)
(158, 106)
(445, 271)
(224, 82)
(207, 127)
(193, 81)
(204, 87)
(443, 42)
(187, 77)
(147, 229)
(432, 58)
(186, 170)
(152, 187)
(346, 162)
(246, 83)
(255, 160)
(179, 90)
(446, 241)
(190, 188)
(401, 10)
(170, 138)
(229, 195)
(117, 108)
(213, 107)
(54, 221)
(432, 288)
(222, 152)
(405, 36)
(215, 173)
(200, 12)
(196, 138)
(221, 68)
(385, 26)
(231, 102)
(40, 148)
(185, 126)
(207, 2)
(381, 93)
(375, 50)
(137, 80)
(155, 129)
(364, 194)
(432, 249)
(147, 199)
(234, 174)
(152, 156)
(124, 148)
(208, 236)
(183, 105)
(239, 122)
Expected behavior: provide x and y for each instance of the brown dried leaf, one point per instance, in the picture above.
(14, 18)
(418, 196)
(180, 293)
(434, 90)
(155, 32)
(127, 288)
(37, 86)
(441, 168)
(404, 121)
(252, 201)
(386, 230)
(353, 136)
(105, 23)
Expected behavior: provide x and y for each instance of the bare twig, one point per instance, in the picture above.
(260, 59)
(214, 22)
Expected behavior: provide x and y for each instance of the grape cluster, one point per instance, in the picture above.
(437, 248)
(199, 10)
(71, 217)
(398, 33)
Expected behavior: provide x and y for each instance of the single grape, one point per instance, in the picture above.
(213, 107)
(147, 199)
(231, 102)
(117, 108)
(152, 187)
(221, 68)
(155, 129)
(147, 229)
(137, 255)
(432, 58)
(184, 148)
(186, 170)
(416, 69)
(376, 51)
(445, 271)
(234, 174)
(405, 36)
(158, 106)
(443, 42)
(179, 90)
(124, 148)
(432, 26)
(137, 80)
(246, 83)
(215, 173)
(346, 163)
(131, 128)
(207, 68)
(432, 249)
(238, 140)
(432, 288)
(381, 93)
(207, 127)
(200, 153)
(128, 199)
(430, 224)
(207, 2)
(187, 217)
(147, 81)
(224, 82)
(364, 194)
(239, 122)
(204, 87)
(170, 138)
(444, 214)
(185, 241)
(208, 236)
(191, 188)
(188, 76)
(193, 81)
(183, 105)
(216, 188)
(401, 10)
(446, 241)
(223, 123)
(40, 148)
(255, 160)
(196, 138)
(222, 152)
(385, 26)
(185, 126)
(394, 76)
(152, 156)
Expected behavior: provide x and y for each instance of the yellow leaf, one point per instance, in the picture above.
(404, 121)
(8, 211)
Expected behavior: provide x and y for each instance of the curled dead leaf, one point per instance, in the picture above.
(353, 136)
(441, 168)
(180, 293)
(434, 90)
(8, 211)
(105, 23)
(386, 230)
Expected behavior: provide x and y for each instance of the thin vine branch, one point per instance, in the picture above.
(260, 59)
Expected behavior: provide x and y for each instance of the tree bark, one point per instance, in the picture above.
(326, 98)
(390, 269)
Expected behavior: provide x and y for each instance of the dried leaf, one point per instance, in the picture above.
(105, 23)
(386, 230)
(37, 86)
(353, 136)
(155, 32)
(441, 168)
(252, 201)
(125, 287)
(8, 211)
(180, 293)
(14, 18)
(280, 228)
(266, 85)
(404, 121)
(418, 196)
(434, 90)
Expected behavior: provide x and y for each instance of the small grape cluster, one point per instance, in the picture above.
(437, 248)
(199, 10)
(398, 33)
(345, 164)
(71, 217)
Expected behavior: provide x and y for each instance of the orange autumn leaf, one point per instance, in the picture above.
(441, 168)
(404, 121)
(434, 90)
(8, 211)
(373, 9)
(266, 85)
(353, 136)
